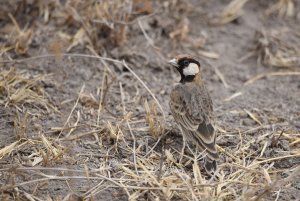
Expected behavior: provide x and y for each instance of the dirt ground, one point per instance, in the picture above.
(84, 92)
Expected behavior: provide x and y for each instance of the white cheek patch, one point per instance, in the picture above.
(192, 69)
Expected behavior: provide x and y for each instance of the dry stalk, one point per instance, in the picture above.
(153, 96)
(260, 76)
(73, 109)
(104, 79)
(273, 50)
(283, 8)
(21, 125)
(129, 127)
(16, 89)
(231, 12)
(23, 39)
(96, 57)
(153, 120)
(149, 40)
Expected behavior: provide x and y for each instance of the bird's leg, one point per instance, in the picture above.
(196, 154)
(182, 149)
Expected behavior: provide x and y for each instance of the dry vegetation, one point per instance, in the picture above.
(84, 100)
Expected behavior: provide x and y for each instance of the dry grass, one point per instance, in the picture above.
(230, 13)
(236, 177)
(135, 152)
(18, 89)
(274, 50)
(283, 8)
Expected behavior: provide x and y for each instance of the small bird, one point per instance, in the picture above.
(192, 109)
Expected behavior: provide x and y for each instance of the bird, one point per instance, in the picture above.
(192, 109)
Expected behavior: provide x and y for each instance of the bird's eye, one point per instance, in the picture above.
(186, 63)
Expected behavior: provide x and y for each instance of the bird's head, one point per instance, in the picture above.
(187, 66)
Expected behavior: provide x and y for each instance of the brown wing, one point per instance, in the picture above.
(192, 110)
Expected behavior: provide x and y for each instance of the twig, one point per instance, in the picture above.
(162, 156)
(221, 76)
(95, 57)
(233, 96)
(275, 141)
(153, 96)
(260, 76)
(45, 169)
(101, 96)
(253, 117)
(128, 23)
(129, 127)
(69, 117)
(77, 136)
(75, 124)
(153, 147)
(150, 41)
(64, 54)
(274, 159)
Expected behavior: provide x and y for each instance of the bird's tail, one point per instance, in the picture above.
(210, 165)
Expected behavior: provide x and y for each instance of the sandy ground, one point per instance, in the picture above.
(77, 128)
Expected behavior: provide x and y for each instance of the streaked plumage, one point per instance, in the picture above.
(192, 109)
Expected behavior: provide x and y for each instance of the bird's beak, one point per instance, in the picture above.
(173, 62)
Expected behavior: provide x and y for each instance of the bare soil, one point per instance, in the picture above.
(74, 127)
